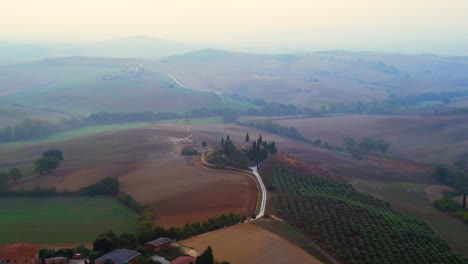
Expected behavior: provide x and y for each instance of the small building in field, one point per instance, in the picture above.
(158, 244)
(20, 253)
(119, 256)
(184, 260)
(56, 260)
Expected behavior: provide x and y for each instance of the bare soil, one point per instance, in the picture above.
(249, 243)
(151, 170)
(439, 139)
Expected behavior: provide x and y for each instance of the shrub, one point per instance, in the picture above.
(188, 151)
(447, 205)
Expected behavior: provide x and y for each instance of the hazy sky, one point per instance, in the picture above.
(393, 25)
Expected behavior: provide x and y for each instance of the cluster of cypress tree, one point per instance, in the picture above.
(261, 149)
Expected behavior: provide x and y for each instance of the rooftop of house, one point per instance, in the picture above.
(23, 249)
(184, 260)
(119, 256)
(159, 241)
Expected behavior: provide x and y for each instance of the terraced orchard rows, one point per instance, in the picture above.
(352, 226)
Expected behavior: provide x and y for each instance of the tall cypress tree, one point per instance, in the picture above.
(247, 139)
(206, 257)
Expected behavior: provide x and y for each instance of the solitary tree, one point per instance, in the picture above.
(103, 244)
(46, 164)
(15, 174)
(349, 143)
(204, 144)
(53, 153)
(247, 139)
(383, 146)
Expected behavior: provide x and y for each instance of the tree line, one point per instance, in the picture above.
(30, 129)
(394, 104)
(189, 230)
(275, 128)
(367, 144)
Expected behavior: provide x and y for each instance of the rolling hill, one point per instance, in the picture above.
(318, 78)
(432, 139)
(77, 86)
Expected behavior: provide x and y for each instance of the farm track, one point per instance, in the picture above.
(176, 81)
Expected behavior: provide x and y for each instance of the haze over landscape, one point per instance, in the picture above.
(393, 26)
(148, 132)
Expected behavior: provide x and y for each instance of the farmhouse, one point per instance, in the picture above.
(184, 260)
(20, 253)
(119, 256)
(158, 244)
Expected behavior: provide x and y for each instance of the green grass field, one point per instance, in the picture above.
(62, 220)
(86, 131)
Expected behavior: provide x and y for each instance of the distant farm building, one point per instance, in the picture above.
(56, 260)
(184, 260)
(20, 253)
(158, 244)
(119, 256)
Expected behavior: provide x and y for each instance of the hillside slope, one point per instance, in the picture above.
(79, 86)
(317, 78)
(438, 139)
(344, 222)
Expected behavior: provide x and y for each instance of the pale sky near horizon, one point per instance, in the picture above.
(376, 25)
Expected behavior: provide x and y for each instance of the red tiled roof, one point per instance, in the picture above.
(184, 260)
(22, 249)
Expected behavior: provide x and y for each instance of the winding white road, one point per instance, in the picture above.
(261, 213)
(175, 80)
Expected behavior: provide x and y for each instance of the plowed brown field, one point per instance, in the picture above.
(249, 243)
(151, 170)
(440, 139)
